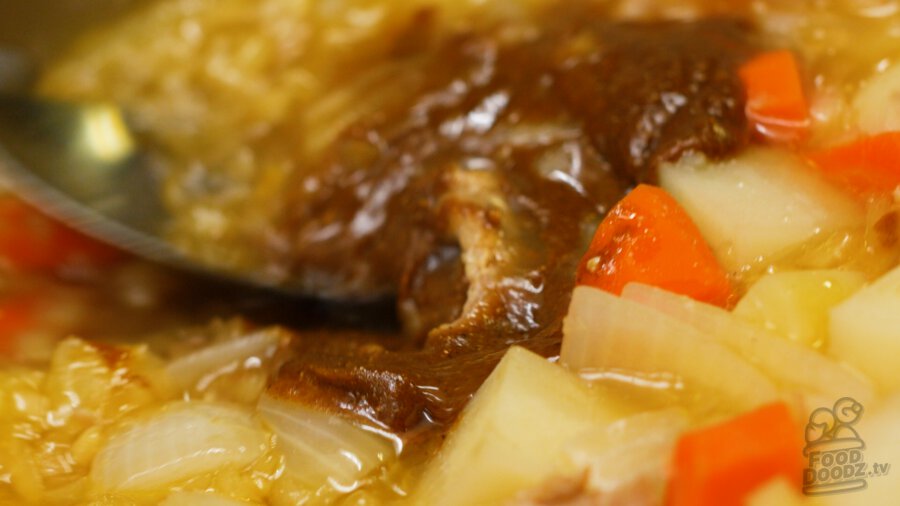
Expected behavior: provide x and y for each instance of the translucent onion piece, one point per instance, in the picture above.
(325, 449)
(197, 369)
(200, 499)
(20, 469)
(604, 332)
(79, 376)
(185, 439)
(790, 364)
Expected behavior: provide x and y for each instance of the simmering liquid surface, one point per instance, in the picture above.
(433, 169)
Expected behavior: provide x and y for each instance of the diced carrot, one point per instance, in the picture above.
(16, 316)
(648, 238)
(720, 465)
(867, 166)
(32, 241)
(776, 105)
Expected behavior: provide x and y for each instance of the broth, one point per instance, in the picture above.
(274, 114)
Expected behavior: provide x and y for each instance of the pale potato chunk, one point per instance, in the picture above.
(513, 434)
(877, 103)
(777, 492)
(877, 428)
(757, 205)
(795, 304)
(865, 330)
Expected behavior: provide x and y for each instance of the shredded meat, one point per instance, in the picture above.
(472, 202)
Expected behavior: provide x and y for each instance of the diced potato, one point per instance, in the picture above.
(630, 454)
(877, 428)
(777, 492)
(758, 204)
(512, 435)
(795, 304)
(877, 103)
(864, 330)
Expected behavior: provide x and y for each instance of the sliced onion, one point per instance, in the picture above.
(789, 364)
(183, 440)
(182, 498)
(321, 449)
(79, 377)
(605, 332)
(197, 369)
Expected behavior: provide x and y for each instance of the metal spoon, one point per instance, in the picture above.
(82, 164)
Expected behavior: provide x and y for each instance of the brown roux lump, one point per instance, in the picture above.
(472, 201)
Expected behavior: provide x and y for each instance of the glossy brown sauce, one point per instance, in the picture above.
(578, 109)
(471, 201)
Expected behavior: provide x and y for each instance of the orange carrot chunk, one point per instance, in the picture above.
(776, 105)
(866, 166)
(648, 238)
(720, 465)
(31, 241)
(16, 317)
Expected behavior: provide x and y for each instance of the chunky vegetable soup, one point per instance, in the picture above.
(552, 253)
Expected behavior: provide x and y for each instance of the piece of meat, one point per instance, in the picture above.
(390, 389)
(691, 101)
(488, 183)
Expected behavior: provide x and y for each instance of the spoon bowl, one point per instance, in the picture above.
(82, 164)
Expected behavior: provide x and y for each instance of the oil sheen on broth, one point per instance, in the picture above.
(449, 158)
